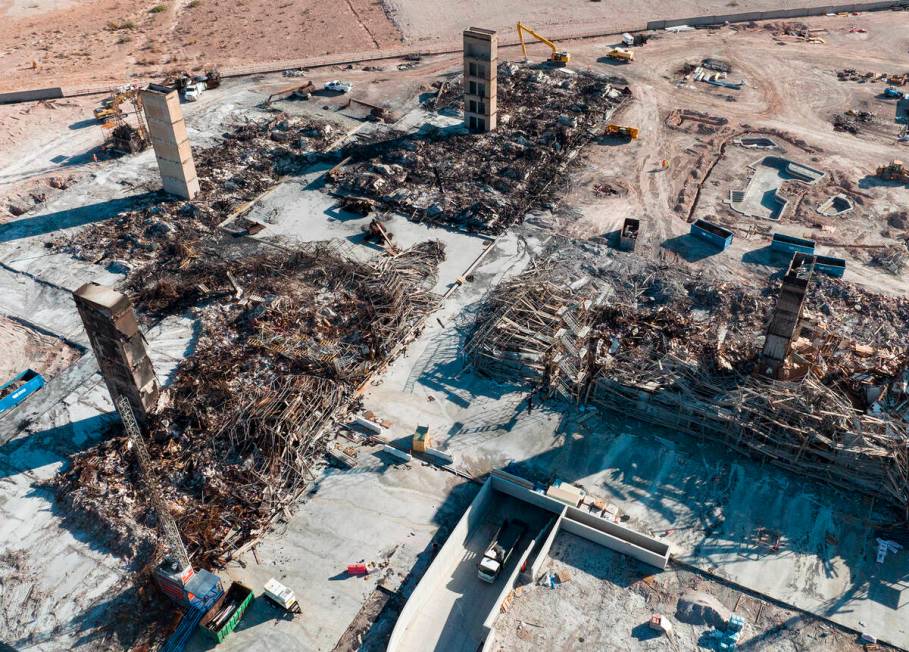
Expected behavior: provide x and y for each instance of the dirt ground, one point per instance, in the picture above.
(434, 19)
(791, 93)
(90, 42)
(25, 348)
(606, 601)
(87, 42)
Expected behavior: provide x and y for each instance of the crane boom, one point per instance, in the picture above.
(166, 523)
(558, 57)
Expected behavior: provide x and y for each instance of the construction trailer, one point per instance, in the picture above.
(628, 236)
(713, 233)
(790, 244)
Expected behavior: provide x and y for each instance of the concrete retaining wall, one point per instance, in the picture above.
(615, 543)
(642, 541)
(575, 521)
(446, 559)
(534, 570)
(31, 95)
(747, 17)
(612, 535)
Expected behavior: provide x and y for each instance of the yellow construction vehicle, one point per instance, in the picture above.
(622, 54)
(895, 171)
(558, 57)
(105, 114)
(620, 130)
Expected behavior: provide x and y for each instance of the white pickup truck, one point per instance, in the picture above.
(191, 92)
(499, 551)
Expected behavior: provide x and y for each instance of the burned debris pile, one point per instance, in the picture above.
(486, 182)
(249, 159)
(286, 340)
(681, 352)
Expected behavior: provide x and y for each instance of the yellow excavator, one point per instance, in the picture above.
(558, 57)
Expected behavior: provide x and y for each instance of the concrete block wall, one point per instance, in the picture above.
(167, 131)
(31, 95)
(481, 60)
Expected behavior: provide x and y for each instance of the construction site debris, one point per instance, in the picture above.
(485, 182)
(285, 341)
(244, 164)
(670, 349)
(851, 74)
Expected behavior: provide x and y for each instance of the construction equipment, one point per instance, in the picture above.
(296, 91)
(105, 113)
(620, 130)
(196, 592)
(212, 78)
(894, 171)
(120, 135)
(621, 54)
(499, 552)
(166, 524)
(557, 58)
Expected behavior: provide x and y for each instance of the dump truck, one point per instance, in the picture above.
(894, 171)
(499, 551)
(621, 54)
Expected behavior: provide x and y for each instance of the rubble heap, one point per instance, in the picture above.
(679, 351)
(286, 339)
(485, 182)
(249, 160)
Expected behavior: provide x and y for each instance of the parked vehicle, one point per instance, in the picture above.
(193, 91)
(893, 93)
(499, 551)
(337, 86)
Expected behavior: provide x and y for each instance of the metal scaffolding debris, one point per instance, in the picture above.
(679, 352)
(250, 159)
(286, 340)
